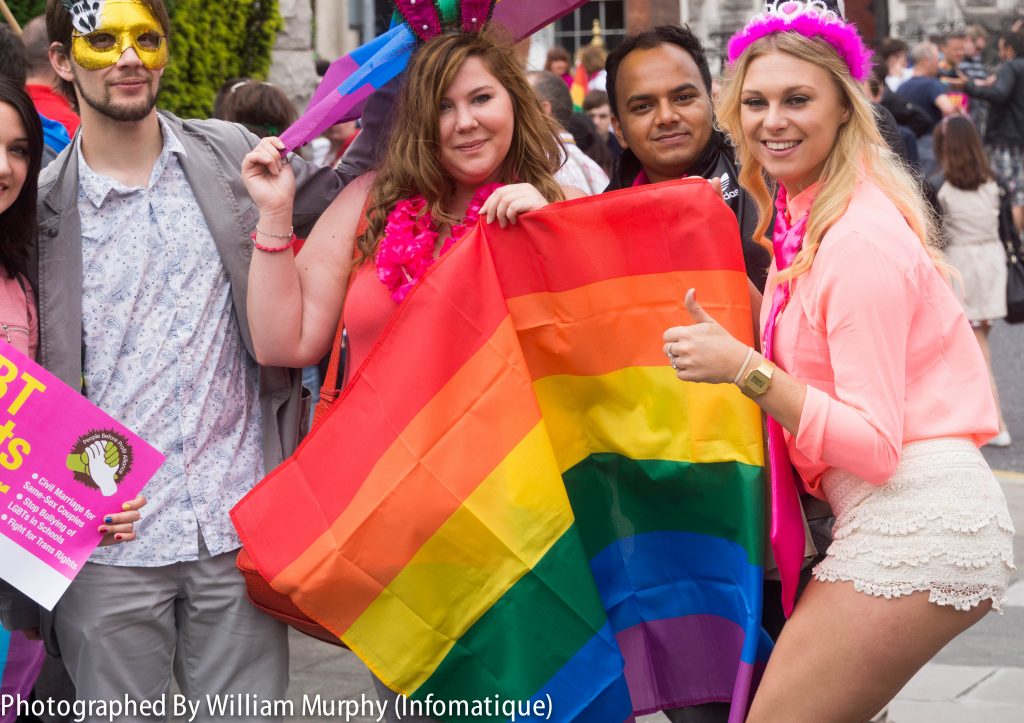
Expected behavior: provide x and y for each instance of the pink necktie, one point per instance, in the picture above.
(787, 527)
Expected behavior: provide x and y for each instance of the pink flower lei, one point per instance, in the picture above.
(812, 19)
(407, 249)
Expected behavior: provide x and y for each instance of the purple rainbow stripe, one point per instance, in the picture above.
(660, 677)
(20, 662)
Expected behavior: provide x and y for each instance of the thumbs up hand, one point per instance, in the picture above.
(696, 310)
(703, 351)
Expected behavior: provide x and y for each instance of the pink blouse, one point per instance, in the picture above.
(883, 345)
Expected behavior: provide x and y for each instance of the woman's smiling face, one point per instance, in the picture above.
(791, 114)
(14, 155)
(476, 122)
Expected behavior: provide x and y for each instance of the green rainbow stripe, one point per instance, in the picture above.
(513, 651)
(613, 497)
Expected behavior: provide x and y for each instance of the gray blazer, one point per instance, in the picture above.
(215, 150)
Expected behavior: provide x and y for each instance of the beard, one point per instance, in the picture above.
(123, 111)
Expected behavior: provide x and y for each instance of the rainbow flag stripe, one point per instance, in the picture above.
(578, 89)
(515, 496)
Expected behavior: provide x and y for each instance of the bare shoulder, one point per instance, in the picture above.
(358, 189)
(571, 192)
(348, 205)
(334, 234)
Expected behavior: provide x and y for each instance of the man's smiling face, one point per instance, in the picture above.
(664, 111)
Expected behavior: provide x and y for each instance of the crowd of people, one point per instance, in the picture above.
(161, 254)
(956, 87)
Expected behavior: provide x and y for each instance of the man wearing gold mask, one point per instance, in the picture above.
(141, 270)
(102, 31)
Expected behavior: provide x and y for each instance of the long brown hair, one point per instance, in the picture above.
(412, 162)
(858, 149)
(18, 230)
(958, 149)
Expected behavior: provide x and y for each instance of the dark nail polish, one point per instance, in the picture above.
(108, 519)
(103, 530)
(118, 537)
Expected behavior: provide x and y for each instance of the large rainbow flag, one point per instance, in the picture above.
(515, 497)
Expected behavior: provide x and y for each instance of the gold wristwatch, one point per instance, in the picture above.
(758, 379)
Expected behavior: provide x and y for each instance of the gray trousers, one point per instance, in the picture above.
(122, 630)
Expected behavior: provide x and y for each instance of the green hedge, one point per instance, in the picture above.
(210, 42)
(214, 41)
(25, 10)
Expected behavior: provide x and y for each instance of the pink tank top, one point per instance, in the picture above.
(18, 321)
(368, 309)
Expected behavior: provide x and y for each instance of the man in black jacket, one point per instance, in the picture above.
(659, 89)
(1004, 137)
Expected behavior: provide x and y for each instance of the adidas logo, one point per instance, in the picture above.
(728, 193)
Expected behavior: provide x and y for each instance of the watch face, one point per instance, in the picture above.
(758, 381)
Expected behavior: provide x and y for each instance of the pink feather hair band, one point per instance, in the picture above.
(812, 19)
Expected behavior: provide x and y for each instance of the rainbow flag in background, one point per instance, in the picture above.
(578, 89)
(514, 496)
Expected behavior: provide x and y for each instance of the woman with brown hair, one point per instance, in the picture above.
(469, 141)
(559, 62)
(969, 197)
(263, 108)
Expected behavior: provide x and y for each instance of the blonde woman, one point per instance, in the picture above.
(878, 393)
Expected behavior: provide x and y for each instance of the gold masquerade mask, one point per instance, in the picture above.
(104, 30)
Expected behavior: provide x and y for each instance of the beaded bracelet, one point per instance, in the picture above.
(273, 249)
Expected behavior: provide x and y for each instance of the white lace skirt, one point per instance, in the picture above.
(939, 524)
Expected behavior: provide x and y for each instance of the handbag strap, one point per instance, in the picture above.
(333, 382)
(334, 379)
(1007, 230)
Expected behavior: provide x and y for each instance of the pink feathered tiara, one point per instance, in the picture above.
(812, 19)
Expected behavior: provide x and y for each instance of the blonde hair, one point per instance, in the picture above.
(858, 150)
(412, 163)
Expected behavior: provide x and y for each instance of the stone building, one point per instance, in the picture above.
(292, 63)
(716, 20)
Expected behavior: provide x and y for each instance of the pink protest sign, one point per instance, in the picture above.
(64, 463)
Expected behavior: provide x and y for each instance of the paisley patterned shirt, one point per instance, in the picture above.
(162, 354)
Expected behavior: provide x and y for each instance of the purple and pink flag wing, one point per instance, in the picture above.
(20, 662)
